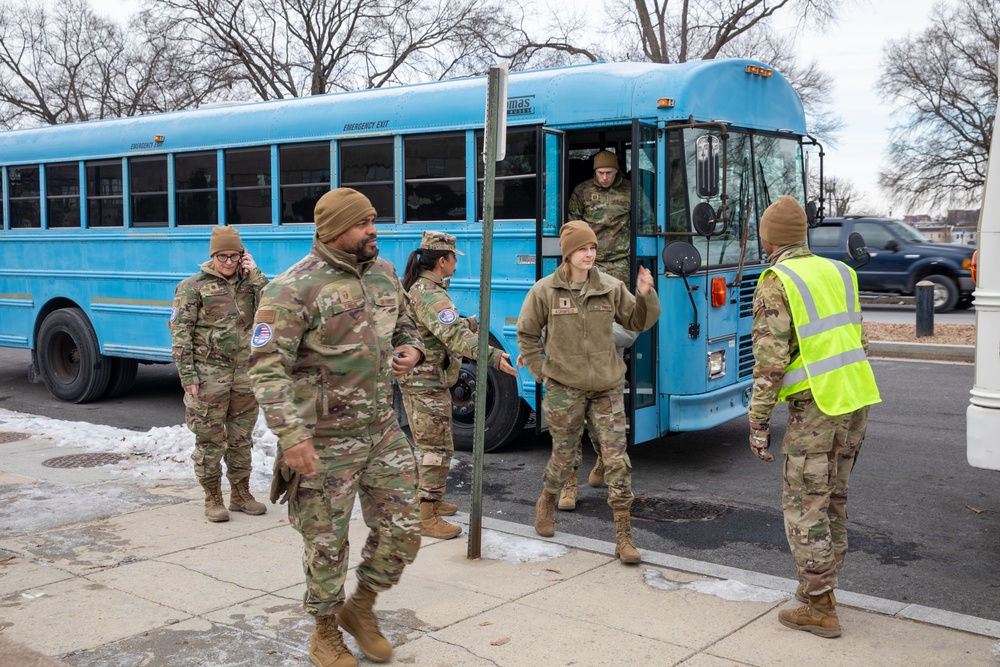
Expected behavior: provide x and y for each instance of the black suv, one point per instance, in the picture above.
(900, 258)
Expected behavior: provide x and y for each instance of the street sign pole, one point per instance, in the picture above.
(494, 144)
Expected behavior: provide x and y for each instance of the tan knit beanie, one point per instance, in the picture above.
(784, 222)
(573, 236)
(224, 239)
(605, 160)
(339, 210)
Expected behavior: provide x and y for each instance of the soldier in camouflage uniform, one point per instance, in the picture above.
(582, 372)
(605, 203)
(210, 326)
(806, 311)
(331, 332)
(426, 389)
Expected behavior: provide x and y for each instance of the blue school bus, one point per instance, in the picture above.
(102, 219)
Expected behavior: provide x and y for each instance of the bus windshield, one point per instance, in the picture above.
(759, 169)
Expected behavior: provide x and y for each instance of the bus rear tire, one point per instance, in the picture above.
(123, 372)
(506, 412)
(70, 359)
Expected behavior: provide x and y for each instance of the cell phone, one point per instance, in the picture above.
(239, 264)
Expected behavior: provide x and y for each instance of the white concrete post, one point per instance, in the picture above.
(983, 415)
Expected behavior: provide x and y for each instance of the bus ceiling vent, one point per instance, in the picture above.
(758, 70)
(665, 103)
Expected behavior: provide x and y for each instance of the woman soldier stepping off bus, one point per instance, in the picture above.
(426, 389)
(582, 372)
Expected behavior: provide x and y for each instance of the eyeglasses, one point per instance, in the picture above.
(229, 259)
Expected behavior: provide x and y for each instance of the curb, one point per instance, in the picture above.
(922, 351)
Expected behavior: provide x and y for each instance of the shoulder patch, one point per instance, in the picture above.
(261, 335)
(173, 313)
(447, 316)
(265, 315)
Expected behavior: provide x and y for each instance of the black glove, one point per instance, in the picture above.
(284, 481)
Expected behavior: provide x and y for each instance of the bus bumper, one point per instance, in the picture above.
(704, 411)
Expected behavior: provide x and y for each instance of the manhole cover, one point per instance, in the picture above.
(84, 460)
(679, 507)
(7, 436)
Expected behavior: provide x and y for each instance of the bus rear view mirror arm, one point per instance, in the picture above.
(683, 259)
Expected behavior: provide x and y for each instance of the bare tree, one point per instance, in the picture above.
(69, 64)
(944, 81)
(842, 196)
(290, 48)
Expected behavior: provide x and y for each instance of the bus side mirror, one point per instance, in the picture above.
(813, 214)
(857, 249)
(683, 259)
(707, 150)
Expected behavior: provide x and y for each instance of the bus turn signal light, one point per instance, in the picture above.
(718, 292)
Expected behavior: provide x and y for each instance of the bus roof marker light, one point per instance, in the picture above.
(665, 103)
(760, 71)
(159, 138)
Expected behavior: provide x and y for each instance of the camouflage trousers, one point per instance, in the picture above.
(617, 268)
(380, 466)
(820, 451)
(222, 420)
(429, 412)
(566, 410)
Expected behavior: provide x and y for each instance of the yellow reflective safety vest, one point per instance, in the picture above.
(823, 297)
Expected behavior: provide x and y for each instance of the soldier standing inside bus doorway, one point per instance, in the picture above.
(331, 333)
(582, 372)
(810, 351)
(210, 328)
(605, 203)
(426, 389)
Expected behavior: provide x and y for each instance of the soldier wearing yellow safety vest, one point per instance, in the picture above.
(810, 351)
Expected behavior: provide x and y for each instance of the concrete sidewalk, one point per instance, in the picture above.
(101, 570)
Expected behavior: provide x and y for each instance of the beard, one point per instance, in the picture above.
(362, 252)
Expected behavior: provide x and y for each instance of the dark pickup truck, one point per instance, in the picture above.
(900, 258)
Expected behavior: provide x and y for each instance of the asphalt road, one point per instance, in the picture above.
(924, 527)
(907, 314)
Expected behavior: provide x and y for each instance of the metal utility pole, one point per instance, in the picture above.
(494, 149)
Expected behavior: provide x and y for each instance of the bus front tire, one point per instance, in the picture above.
(506, 411)
(70, 359)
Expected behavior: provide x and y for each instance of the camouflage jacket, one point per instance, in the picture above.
(607, 211)
(447, 337)
(775, 344)
(579, 351)
(211, 320)
(321, 353)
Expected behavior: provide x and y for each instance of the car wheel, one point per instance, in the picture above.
(945, 293)
(965, 302)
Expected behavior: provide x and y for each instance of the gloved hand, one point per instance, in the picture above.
(760, 439)
(284, 481)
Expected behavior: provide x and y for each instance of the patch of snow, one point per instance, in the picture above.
(515, 549)
(727, 589)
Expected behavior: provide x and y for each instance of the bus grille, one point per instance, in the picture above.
(746, 356)
(747, 287)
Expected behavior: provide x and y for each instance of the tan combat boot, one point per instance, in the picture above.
(818, 617)
(567, 495)
(624, 549)
(358, 618)
(215, 508)
(431, 525)
(445, 509)
(545, 514)
(241, 500)
(596, 477)
(326, 647)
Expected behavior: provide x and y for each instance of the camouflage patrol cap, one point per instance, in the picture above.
(439, 241)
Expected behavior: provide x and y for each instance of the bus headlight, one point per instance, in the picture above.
(716, 364)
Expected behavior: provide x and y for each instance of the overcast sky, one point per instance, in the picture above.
(851, 51)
